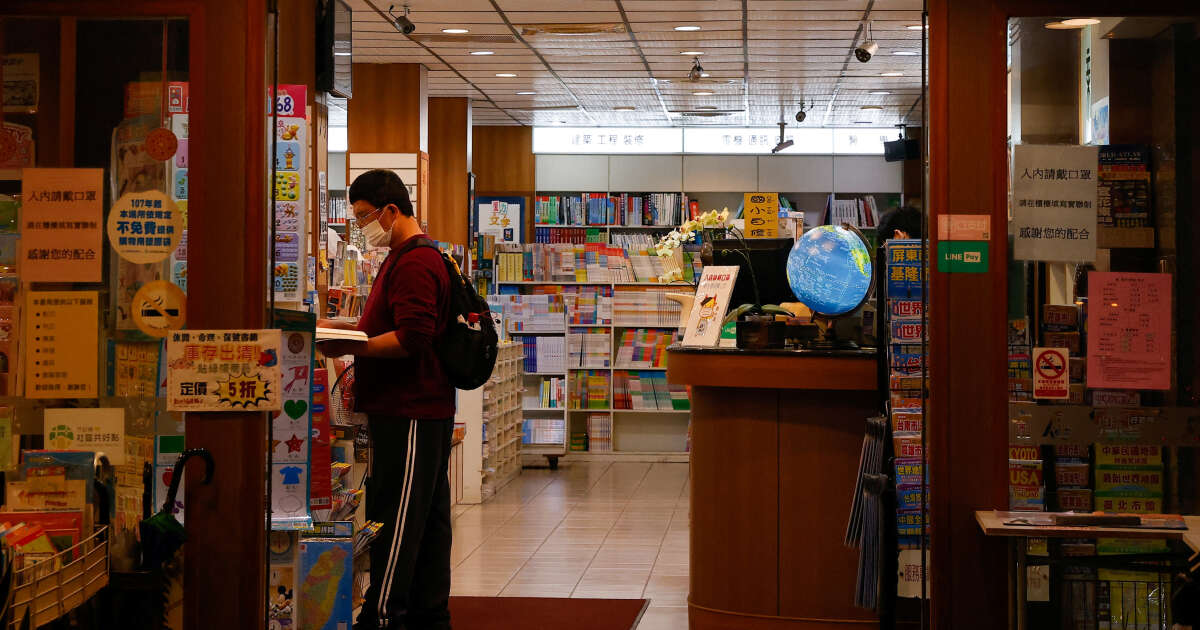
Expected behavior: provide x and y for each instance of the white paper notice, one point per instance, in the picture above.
(1054, 202)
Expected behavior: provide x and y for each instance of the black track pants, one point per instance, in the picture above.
(408, 491)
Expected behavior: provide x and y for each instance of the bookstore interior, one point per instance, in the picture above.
(792, 307)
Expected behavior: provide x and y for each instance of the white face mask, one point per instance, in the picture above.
(376, 235)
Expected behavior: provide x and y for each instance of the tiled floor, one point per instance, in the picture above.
(615, 530)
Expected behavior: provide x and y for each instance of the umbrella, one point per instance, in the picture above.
(162, 535)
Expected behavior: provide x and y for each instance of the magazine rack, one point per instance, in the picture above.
(55, 586)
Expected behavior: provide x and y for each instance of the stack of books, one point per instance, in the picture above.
(546, 234)
(552, 393)
(599, 433)
(665, 209)
(582, 209)
(588, 305)
(539, 313)
(861, 213)
(650, 307)
(543, 431)
(647, 391)
(590, 389)
(588, 348)
(543, 355)
(644, 348)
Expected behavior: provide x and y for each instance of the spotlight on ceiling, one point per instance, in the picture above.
(691, 53)
(868, 48)
(401, 22)
(783, 144)
(482, 52)
(697, 71)
(702, 93)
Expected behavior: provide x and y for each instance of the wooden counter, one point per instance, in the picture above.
(776, 438)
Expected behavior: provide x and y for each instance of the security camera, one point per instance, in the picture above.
(864, 52)
(800, 116)
(401, 22)
(697, 71)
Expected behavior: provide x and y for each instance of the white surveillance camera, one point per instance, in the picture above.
(864, 52)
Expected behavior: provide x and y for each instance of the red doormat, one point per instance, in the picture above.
(545, 613)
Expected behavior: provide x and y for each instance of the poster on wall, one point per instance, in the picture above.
(501, 217)
(1054, 202)
(62, 347)
(20, 89)
(1129, 330)
(761, 214)
(291, 192)
(223, 370)
(62, 211)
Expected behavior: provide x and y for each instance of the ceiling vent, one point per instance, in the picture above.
(535, 30)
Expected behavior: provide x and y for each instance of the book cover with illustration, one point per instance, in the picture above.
(323, 584)
(708, 310)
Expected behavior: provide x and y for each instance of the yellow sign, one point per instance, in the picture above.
(223, 370)
(144, 227)
(159, 307)
(761, 211)
(61, 341)
(61, 214)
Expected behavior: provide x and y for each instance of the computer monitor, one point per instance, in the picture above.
(769, 258)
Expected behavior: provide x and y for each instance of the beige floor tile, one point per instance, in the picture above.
(618, 556)
(615, 578)
(537, 590)
(660, 583)
(664, 618)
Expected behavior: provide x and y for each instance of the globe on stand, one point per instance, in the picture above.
(829, 269)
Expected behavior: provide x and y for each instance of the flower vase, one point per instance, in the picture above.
(706, 248)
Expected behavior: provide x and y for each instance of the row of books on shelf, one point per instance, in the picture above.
(603, 209)
(647, 307)
(345, 302)
(588, 305)
(643, 348)
(543, 431)
(588, 262)
(590, 389)
(859, 212)
(543, 234)
(648, 391)
(589, 348)
(551, 393)
(599, 435)
(529, 313)
(543, 354)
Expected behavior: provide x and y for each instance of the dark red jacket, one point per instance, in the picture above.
(410, 298)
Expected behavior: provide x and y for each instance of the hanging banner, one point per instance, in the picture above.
(761, 211)
(1129, 330)
(223, 370)
(1054, 202)
(61, 341)
(61, 214)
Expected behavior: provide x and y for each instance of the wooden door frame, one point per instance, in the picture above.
(225, 556)
(967, 432)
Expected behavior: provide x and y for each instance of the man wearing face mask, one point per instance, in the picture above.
(400, 385)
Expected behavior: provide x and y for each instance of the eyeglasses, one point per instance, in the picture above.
(361, 220)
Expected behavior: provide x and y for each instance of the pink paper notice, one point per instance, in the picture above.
(1129, 330)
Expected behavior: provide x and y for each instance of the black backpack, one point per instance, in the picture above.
(468, 346)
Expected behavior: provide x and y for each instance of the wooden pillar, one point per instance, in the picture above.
(967, 411)
(224, 558)
(449, 163)
(389, 114)
(502, 160)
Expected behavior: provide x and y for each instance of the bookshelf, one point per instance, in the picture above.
(577, 383)
(492, 417)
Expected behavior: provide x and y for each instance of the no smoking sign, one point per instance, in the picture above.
(1050, 378)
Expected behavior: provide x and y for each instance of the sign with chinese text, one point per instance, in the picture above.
(761, 215)
(607, 140)
(964, 227)
(1054, 202)
(61, 339)
(96, 430)
(144, 227)
(223, 370)
(709, 307)
(500, 217)
(1129, 331)
(1050, 378)
(61, 214)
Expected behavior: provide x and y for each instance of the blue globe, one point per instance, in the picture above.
(829, 270)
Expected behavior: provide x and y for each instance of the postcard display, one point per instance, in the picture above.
(904, 285)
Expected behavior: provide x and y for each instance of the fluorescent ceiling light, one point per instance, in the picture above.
(915, 27)
(879, 92)
(526, 93)
(688, 27)
(455, 31)
(704, 75)
(506, 75)
(871, 107)
(864, 122)
(482, 52)
(909, 53)
(706, 107)
(882, 74)
(341, 54)
(691, 53)
(1081, 21)
(702, 93)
